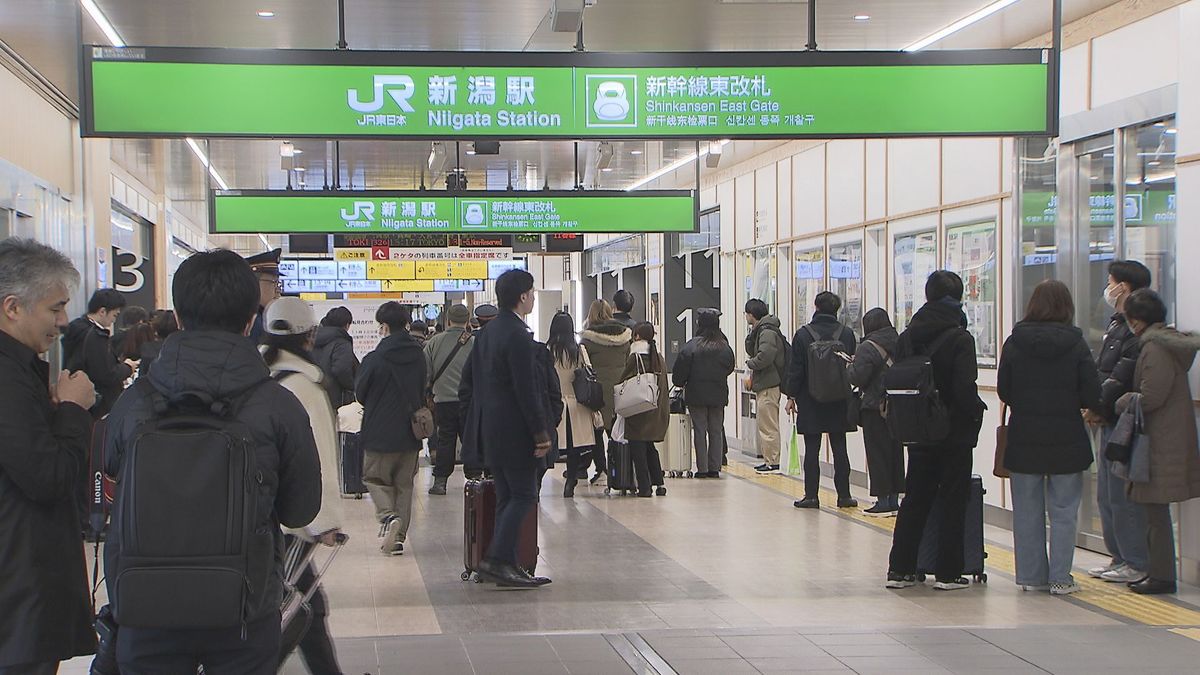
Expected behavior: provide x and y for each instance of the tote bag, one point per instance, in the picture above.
(998, 469)
(638, 394)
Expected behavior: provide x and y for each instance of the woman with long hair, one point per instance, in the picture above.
(607, 343)
(576, 432)
(1046, 376)
(642, 431)
(702, 369)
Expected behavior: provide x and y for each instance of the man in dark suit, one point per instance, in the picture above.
(507, 423)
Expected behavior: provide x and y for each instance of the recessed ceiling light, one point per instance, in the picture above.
(300, 169)
(635, 152)
(1172, 131)
(606, 169)
(265, 13)
(1153, 162)
(470, 152)
(297, 151)
(1160, 124)
(862, 17)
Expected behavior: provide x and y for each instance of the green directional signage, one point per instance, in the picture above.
(199, 92)
(250, 212)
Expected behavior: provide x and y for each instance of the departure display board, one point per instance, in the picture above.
(478, 95)
(251, 212)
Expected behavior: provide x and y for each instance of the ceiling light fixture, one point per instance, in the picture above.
(1172, 130)
(471, 151)
(265, 13)
(635, 152)
(862, 17)
(102, 21)
(212, 171)
(959, 25)
(677, 164)
(606, 169)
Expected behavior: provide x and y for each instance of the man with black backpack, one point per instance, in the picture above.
(767, 350)
(933, 407)
(819, 395)
(212, 456)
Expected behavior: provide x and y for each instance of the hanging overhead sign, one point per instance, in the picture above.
(251, 212)
(475, 95)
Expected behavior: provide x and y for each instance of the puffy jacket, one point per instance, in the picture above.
(333, 352)
(812, 416)
(43, 456)
(702, 369)
(391, 387)
(1116, 361)
(303, 378)
(651, 425)
(87, 347)
(226, 366)
(607, 344)
(869, 365)
(1046, 376)
(764, 349)
(955, 369)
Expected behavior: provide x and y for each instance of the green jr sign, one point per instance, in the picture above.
(344, 94)
(252, 212)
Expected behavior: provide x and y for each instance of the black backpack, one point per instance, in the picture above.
(828, 375)
(913, 407)
(191, 556)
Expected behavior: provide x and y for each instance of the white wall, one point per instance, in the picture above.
(34, 135)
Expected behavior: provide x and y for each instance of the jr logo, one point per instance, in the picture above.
(399, 87)
(361, 210)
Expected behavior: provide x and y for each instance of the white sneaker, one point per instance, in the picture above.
(1098, 572)
(952, 585)
(1065, 589)
(389, 545)
(1124, 575)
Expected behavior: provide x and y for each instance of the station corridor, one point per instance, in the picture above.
(719, 577)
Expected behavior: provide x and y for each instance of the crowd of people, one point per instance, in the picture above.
(225, 412)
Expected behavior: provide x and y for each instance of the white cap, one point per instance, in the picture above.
(288, 316)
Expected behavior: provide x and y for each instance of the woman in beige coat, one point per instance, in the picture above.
(1161, 378)
(576, 432)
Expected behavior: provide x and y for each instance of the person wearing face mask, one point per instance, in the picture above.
(1122, 521)
(1161, 381)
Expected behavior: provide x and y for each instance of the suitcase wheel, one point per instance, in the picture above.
(607, 491)
(981, 578)
(689, 474)
(920, 577)
(358, 496)
(465, 575)
(624, 492)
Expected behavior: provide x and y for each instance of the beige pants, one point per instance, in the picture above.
(768, 424)
(389, 479)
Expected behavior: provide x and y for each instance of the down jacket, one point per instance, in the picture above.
(764, 349)
(1046, 376)
(702, 369)
(869, 365)
(607, 344)
(333, 352)
(1162, 380)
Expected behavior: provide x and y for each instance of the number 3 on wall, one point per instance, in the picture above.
(130, 264)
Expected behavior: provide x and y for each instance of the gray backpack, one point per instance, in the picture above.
(828, 376)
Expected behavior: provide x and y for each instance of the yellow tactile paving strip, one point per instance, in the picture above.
(1112, 598)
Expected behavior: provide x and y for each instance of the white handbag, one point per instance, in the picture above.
(636, 395)
(350, 418)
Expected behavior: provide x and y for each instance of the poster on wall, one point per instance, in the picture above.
(845, 279)
(810, 280)
(915, 257)
(134, 277)
(364, 331)
(971, 252)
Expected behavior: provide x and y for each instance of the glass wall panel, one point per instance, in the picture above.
(1149, 205)
(1097, 197)
(846, 280)
(971, 252)
(914, 257)
(1039, 214)
(809, 261)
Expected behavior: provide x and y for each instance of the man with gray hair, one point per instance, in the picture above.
(44, 435)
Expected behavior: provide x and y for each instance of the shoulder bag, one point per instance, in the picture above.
(588, 390)
(998, 469)
(638, 394)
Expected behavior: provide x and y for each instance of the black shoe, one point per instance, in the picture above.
(661, 491)
(763, 468)
(569, 490)
(504, 574)
(439, 486)
(881, 509)
(714, 474)
(847, 502)
(540, 581)
(807, 503)
(645, 494)
(897, 580)
(1150, 586)
(595, 478)
(581, 474)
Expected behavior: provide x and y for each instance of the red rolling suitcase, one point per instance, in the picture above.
(479, 518)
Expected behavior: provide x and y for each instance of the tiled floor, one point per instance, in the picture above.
(717, 577)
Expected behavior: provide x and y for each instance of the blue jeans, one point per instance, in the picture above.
(1035, 496)
(1123, 522)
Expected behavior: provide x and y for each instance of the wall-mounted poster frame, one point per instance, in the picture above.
(808, 259)
(914, 258)
(846, 269)
(971, 251)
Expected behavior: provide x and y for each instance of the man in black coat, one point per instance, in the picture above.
(940, 472)
(814, 418)
(391, 387)
(507, 422)
(215, 298)
(43, 452)
(87, 346)
(623, 303)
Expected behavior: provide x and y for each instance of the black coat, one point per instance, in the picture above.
(813, 417)
(149, 352)
(501, 392)
(333, 352)
(391, 387)
(87, 347)
(552, 398)
(1116, 363)
(869, 365)
(224, 366)
(1046, 377)
(702, 369)
(955, 368)
(47, 611)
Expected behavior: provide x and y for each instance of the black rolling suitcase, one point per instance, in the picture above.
(295, 613)
(350, 468)
(620, 469)
(973, 553)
